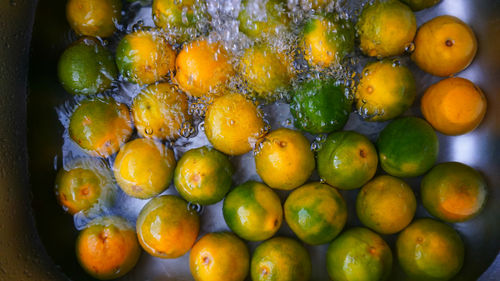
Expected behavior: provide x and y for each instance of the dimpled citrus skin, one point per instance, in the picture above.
(444, 46)
(255, 25)
(203, 68)
(386, 204)
(253, 211)
(233, 124)
(167, 227)
(454, 106)
(430, 250)
(145, 57)
(347, 160)
(159, 111)
(107, 248)
(280, 259)
(203, 175)
(144, 168)
(219, 256)
(100, 126)
(453, 192)
(359, 254)
(417, 5)
(316, 213)
(284, 159)
(96, 18)
(386, 90)
(407, 147)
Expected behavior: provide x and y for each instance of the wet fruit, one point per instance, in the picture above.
(417, 5)
(263, 18)
(167, 227)
(280, 259)
(386, 204)
(386, 89)
(97, 18)
(203, 68)
(86, 67)
(386, 28)
(453, 192)
(320, 106)
(100, 126)
(316, 213)
(145, 57)
(454, 106)
(253, 211)
(347, 160)
(160, 111)
(203, 176)
(284, 159)
(107, 248)
(407, 147)
(233, 124)
(444, 46)
(430, 250)
(359, 254)
(219, 256)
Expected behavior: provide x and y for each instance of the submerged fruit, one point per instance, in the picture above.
(430, 250)
(454, 106)
(386, 89)
(107, 248)
(97, 18)
(144, 168)
(263, 18)
(407, 147)
(417, 5)
(359, 254)
(219, 256)
(316, 213)
(100, 126)
(444, 46)
(453, 192)
(167, 227)
(253, 211)
(203, 176)
(386, 204)
(347, 160)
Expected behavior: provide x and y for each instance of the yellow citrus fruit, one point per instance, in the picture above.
(96, 18)
(454, 106)
(219, 256)
(107, 248)
(167, 227)
(233, 124)
(159, 111)
(444, 46)
(386, 204)
(386, 28)
(453, 192)
(144, 168)
(203, 68)
(145, 57)
(263, 18)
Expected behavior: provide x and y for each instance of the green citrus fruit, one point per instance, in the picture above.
(97, 18)
(417, 5)
(259, 18)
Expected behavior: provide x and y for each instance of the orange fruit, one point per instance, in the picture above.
(96, 18)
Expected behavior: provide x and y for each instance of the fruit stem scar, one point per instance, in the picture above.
(449, 42)
(362, 153)
(369, 89)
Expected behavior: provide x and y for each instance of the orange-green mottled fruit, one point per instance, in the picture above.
(219, 256)
(160, 111)
(167, 227)
(430, 250)
(107, 248)
(386, 28)
(144, 168)
(97, 18)
(203, 175)
(417, 5)
(386, 90)
(263, 18)
(253, 211)
(386, 204)
(359, 254)
(280, 259)
(347, 160)
(453, 192)
(100, 126)
(284, 159)
(316, 213)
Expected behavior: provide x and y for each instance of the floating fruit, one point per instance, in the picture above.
(97, 18)
(263, 18)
